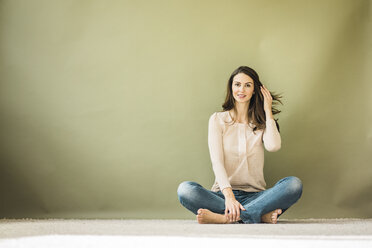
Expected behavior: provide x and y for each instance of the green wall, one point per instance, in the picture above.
(104, 104)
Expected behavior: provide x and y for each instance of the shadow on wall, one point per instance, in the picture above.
(18, 199)
(328, 134)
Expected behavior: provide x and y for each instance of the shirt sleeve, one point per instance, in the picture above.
(216, 151)
(271, 136)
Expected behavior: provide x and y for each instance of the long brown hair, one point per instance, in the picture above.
(256, 112)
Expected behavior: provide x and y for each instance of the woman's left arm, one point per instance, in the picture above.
(271, 135)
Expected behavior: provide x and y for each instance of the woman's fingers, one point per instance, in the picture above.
(232, 211)
(267, 98)
(228, 214)
(264, 89)
(267, 91)
(237, 215)
(264, 93)
(233, 216)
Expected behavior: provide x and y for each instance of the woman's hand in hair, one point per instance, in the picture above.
(268, 101)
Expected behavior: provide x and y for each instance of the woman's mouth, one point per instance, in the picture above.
(241, 96)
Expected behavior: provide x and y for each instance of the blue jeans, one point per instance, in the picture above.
(282, 195)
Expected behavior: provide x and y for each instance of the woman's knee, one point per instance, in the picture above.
(294, 185)
(186, 189)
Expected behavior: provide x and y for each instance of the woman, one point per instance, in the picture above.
(236, 139)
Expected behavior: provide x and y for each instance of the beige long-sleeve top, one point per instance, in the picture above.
(237, 154)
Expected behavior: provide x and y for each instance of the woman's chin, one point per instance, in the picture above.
(242, 100)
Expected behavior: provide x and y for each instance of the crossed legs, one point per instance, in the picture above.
(264, 206)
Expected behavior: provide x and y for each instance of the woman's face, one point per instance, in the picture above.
(242, 87)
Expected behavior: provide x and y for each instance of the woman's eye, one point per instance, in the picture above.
(248, 85)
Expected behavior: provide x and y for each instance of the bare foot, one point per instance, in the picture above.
(206, 216)
(271, 217)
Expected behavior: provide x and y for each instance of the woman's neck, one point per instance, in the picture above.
(242, 110)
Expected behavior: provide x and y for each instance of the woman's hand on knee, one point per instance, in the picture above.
(232, 209)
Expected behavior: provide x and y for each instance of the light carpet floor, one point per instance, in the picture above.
(183, 233)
